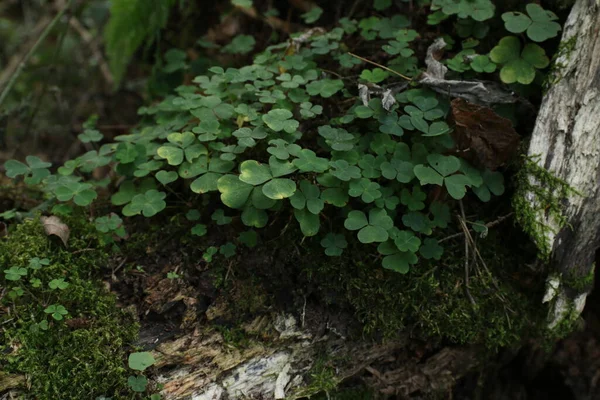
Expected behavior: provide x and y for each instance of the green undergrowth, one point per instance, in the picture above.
(433, 301)
(429, 303)
(77, 355)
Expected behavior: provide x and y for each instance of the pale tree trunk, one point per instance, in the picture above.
(566, 144)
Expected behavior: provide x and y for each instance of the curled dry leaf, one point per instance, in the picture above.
(54, 226)
(483, 137)
(3, 230)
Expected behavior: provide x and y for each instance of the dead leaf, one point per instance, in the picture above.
(3, 230)
(483, 137)
(480, 92)
(54, 226)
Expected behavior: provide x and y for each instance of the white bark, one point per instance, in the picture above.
(566, 138)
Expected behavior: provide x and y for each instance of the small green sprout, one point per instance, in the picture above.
(57, 311)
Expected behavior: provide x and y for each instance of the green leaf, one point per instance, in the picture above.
(126, 153)
(309, 222)
(199, 230)
(280, 168)
(355, 220)
(335, 196)
(400, 262)
(173, 155)
(363, 112)
(402, 171)
(58, 284)
(334, 244)
(344, 171)
(81, 193)
(540, 24)
(220, 218)
(418, 222)
(137, 383)
(308, 161)
(415, 200)
(431, 249)
(254, 217)
(281, 119)
(483, 64)
(374, 76)
(56, 311)
(242, 3)
(15, 273)
(325, 87)
(374, 230)
(90, 135)
(206, 183)
(36, 263)
(312, 15)
(228, 249)
(427, 175)
(441, 214)
(367, 190)
(518, 66)
(166, 177)
(15, 168)
(338, 138)
(279, 188)
(479, 10)
(192, 215)
(234, 192)
(456, 185)
(254, 173)
(241, 44)
(407, 241)
(249, 238)
(445, 165)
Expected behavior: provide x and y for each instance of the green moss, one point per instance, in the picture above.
(323, 379)
(556, 72)
(540, 192)
(580, 283)
(82, 356)
(431, 300)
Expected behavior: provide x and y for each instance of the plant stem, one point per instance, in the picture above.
(32, 51)
(381, 66)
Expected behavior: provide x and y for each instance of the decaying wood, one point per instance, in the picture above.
(202, 366)
(566, 140)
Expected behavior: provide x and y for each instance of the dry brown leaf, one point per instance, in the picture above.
(54, 226)
(3, 230)
(483, 137)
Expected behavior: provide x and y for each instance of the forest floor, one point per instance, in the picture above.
(49, 127)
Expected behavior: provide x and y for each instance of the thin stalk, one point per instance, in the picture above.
(31, 52)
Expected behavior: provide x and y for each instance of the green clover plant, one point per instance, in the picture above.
(287, 138)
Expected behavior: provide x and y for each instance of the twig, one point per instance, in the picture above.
(488, 225)
(461, 219)
(89, 40)
(14, 61)
(381, 66)
(33, 49)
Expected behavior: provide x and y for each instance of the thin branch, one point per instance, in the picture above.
(32, 51)
(93, 45)
(488, 225)
(381, 66)
(461, 219)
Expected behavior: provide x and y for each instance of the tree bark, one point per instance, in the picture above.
(294, 363)
(565, 142)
